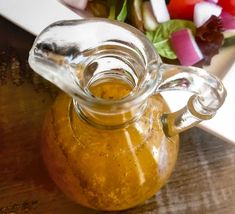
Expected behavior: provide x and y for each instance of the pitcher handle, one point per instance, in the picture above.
(208, 96)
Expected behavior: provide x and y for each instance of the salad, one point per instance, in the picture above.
(190, 32)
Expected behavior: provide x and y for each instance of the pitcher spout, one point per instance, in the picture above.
(53, 57)
(48, 52)
(75, 54)
(53, 63)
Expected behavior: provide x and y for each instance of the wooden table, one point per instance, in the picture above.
(203, 181)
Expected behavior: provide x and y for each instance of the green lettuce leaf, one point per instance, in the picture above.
(161, 36)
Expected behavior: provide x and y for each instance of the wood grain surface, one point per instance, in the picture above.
(203, 180)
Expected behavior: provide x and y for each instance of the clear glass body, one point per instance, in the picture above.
(114, 143)
(108, 169)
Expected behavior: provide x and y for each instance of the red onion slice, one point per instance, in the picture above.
(185, 47)
(213, 1)
(228, 21)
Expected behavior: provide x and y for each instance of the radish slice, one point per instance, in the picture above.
(150, 22)
(228, 21)
(160, 10)
(185, 47)
(203, 11)
(78, 4)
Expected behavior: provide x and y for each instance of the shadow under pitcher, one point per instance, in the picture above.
(109, 142)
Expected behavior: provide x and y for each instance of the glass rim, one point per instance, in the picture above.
(151, 58)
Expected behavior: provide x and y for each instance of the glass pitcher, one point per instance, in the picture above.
(110, 142)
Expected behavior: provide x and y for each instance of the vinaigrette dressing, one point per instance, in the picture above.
(105, 147)
(108, 169)
(110, 90)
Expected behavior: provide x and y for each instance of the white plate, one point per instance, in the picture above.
(35, 15)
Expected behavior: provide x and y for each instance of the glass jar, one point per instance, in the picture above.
(111, 142)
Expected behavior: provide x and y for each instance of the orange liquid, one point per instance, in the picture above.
(108, 169)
